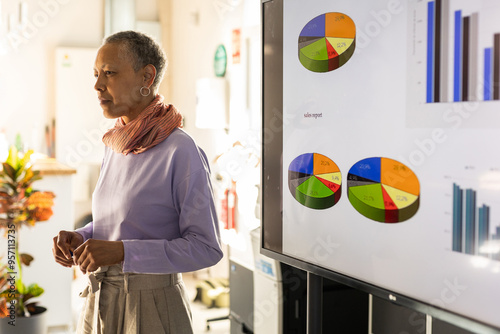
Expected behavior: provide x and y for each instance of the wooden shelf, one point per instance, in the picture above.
(52, 167)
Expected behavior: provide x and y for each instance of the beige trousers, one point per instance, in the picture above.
(118, 303)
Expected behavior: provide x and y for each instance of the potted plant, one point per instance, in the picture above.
(20, 205)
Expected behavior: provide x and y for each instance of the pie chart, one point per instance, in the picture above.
(383, 190)
(327, 42)
(314, 181)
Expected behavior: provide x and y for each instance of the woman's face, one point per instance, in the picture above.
(117, 84)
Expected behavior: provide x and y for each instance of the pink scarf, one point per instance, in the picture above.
(151, 127)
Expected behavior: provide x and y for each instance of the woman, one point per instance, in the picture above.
(153, 210)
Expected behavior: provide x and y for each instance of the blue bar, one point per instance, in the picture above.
(457, 218)
(457, 80)
(470, 221)
(430, 51)
(483, 225)
(488, 87)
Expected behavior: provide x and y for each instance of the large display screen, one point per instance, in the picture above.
(384, 167)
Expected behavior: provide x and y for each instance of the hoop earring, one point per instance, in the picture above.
(149, 91)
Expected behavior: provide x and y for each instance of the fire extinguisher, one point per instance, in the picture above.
(229, 205)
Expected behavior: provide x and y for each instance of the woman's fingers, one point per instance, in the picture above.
(63, 245)
(64, 262)
(93, 254)
(65, 242)
(60, 245)
(58, 252)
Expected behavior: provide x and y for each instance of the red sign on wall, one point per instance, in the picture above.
(236, 46)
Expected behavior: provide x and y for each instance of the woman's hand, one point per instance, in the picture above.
(64, 244)
(96, 253)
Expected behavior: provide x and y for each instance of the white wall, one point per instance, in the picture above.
(146, 10)
(191, 34)
(27, 95)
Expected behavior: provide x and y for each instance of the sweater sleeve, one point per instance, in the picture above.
(86, 231)
(197, 248)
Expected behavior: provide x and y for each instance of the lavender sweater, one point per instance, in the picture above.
(160, 204)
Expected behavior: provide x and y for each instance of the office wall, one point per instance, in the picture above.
(191, 34)
(27, 88)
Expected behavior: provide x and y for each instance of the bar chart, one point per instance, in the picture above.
(471, 226)
(462, 52)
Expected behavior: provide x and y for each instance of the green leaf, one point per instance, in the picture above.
(11, 186)
(28, 188)
(9, 170)
(26, 158)
(34, 290)
(28, 191)
(30, 177)
(13, 158)
(27, 178)
(22, 163)
(21, 288)
(35, 177)
(18, 173)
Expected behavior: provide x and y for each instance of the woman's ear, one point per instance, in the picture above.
(149, 75)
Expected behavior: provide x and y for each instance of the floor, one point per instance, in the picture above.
(200, 312)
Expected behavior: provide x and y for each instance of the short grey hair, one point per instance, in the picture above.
(143, 50)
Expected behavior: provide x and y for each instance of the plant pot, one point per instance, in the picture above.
(36, 324)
